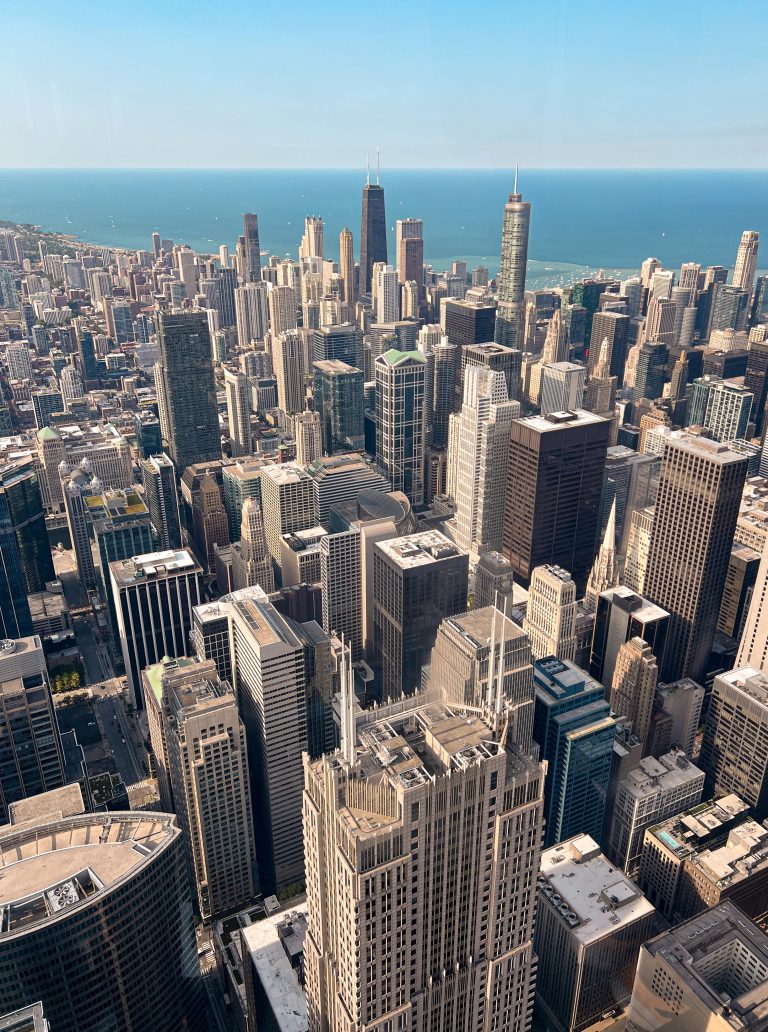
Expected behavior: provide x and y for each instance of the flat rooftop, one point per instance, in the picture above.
(559, 420)
(285, 473)
(272, 943)
(153, 564)
(28, 1019)
(66, 801)
(592, 896)
(630, 602)
(751, 683)
(55, 868)
(476, 626)
(653, 776)
(419, 549)
(745, 853)
(684, 833)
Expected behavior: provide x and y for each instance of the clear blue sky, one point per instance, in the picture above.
(296, 83)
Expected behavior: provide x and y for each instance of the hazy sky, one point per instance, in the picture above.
(296, 83)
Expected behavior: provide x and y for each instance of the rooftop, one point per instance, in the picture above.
(66, 801)
(630, 602)
(592, 896)
(751, 683)
(393, 357)
(684, 833)
(54, 868)
(28, 1019)
(419, 549)
(745, 852)
(154, 564)
(272, 943)
(654, 776)
(558, 420)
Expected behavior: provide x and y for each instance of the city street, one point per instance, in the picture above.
(121, 738)
(95, 656)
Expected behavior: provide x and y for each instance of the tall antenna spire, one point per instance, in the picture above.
(348, 728)
(490, 698)
(368, 169)
(516, 171)
(378, 167)
(500, 677)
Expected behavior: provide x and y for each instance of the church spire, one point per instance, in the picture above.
(605, 571)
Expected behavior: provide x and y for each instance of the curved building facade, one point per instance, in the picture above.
(96, 922)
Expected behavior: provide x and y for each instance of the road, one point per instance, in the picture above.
(121, 738)
(97, 663)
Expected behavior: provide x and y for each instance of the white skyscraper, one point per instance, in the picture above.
(550, 616)
(288, 359)
(746, 261)
(514, 263)
(238, 391)
(480, 457)
(251, 562)
(308, 437)
(562, 387)
(282, 310)
(251, 313)
(386, 290)
(312, 241)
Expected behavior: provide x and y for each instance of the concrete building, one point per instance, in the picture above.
(400, 422)
(734, 748)
(633, 687)
(417, 580)
(494, 581)
(394, 898)
(205, 758)
(753, 644)
(723, 407)
(251, 563)
(273, 972)
(708, 973)
(341, 478)
(683, 701)
(653, 791)
(238, 392)
(562, 387)
(288, 504)
(107, 895)
(289, 359)
(307, 435)
(590, 923)
(550, 615)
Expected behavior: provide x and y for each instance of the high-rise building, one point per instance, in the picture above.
(386, 293)
(562, 387)
(497, 358)
(205, 513)
(251, 563)
(696, 511)
(408, 229)
(162, 497)
(620, 616)
(108, 895)
(307, 435)
(723, 407)
(650, 376)
(756, 380)
(252, 252)
(730, 309)
(188, 388)
(205, 755)
(633, 688)
(288, 356)
(373, 233)
(288, 504)
(746, 261)
(251, 313)
(343, 342)
(337, 395)
(341, 577)
(426, 887)
(282, 310)
(400, 444)
(441, 391)
(512, 269)
(734, 749)
(494, 582)
(480, 456)
(605, 571)
(313, 239)
(417, 580)
(347, 264)
(590, 923)
(574, 729)
(550, 615)
(24, 546)
(31, 756)
(154, 597)
(684, 975)
(612, 327)
(554, 482)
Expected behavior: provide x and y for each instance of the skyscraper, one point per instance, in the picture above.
(722, 406)
(550, 615)
(251, 563)
(288, 355)
(307, 435)
(512, 269)
(633, 688)
(23, 535)
(400, 444)
(562, 387)
(746, 261)
(160, 490)
(252, 271)
(251, 313)
(554, 482)
(189, 390)
(238, 392)
(347, 264)
(696, 511)
(373, 232)
(337, 395)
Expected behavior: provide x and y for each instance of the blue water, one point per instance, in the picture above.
(581, 220)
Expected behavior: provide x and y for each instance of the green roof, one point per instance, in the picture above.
(47, 434)
(395, 357)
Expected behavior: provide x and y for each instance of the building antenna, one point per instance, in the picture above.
(368, 169)
(500, 677)
(348, 729)
(490, 697)
(378, 166)
(516, 171)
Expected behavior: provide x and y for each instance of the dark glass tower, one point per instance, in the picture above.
(22, 518)
(189, 389)
(373, 233)
(252, 248)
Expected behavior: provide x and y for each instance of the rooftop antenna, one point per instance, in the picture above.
(516, 171)
(348, 729)
(500, 687)
(368, 168)
(378, 166)
(490, 699)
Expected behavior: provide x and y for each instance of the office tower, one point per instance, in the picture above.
(46, 404)
(417, 580)
(738, 591)
(23, 536)
(251, 272)
(238, 391)
(347, 478)
(605, 571)
(494, 581)
(590, 924)
(312, 240)
(756, 380)
(341, 576)
(416, 879)
(497, 358)
(189, 391)
(251, 313)
(270, 964)
(77, 488)
(205, 754)
(9, 297)
(611, 327)
(373, 232)
(347, 264)
(307, 434)
(759, 314)
(685, 975)
(18, 360)
(288, 504)
(441, 390)
(696, 510)
(269, 679)
(638, 545)
(154, 596)
(400, 383)
(633, 686)
(653, 791)
(734, 746)
(282, 310)
(481, 460)
(288, 356)
(407, 229)
(479, 653)
(556, 342)
(343, 342)
(31, 756)
(251, 563)
(746, 261)
(622, 615)
(512, 268)
(107, 896)
(386, 293)
(554, 481)
(205, 514)
(730, 310)
(162, 497)
(562, 387)
(651, 370)
(410, 265)
(550, 615)
(574, 729)
(228, 282)
(721, 406)
(337, 395)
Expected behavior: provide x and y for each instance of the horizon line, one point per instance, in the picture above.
(393, 168)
